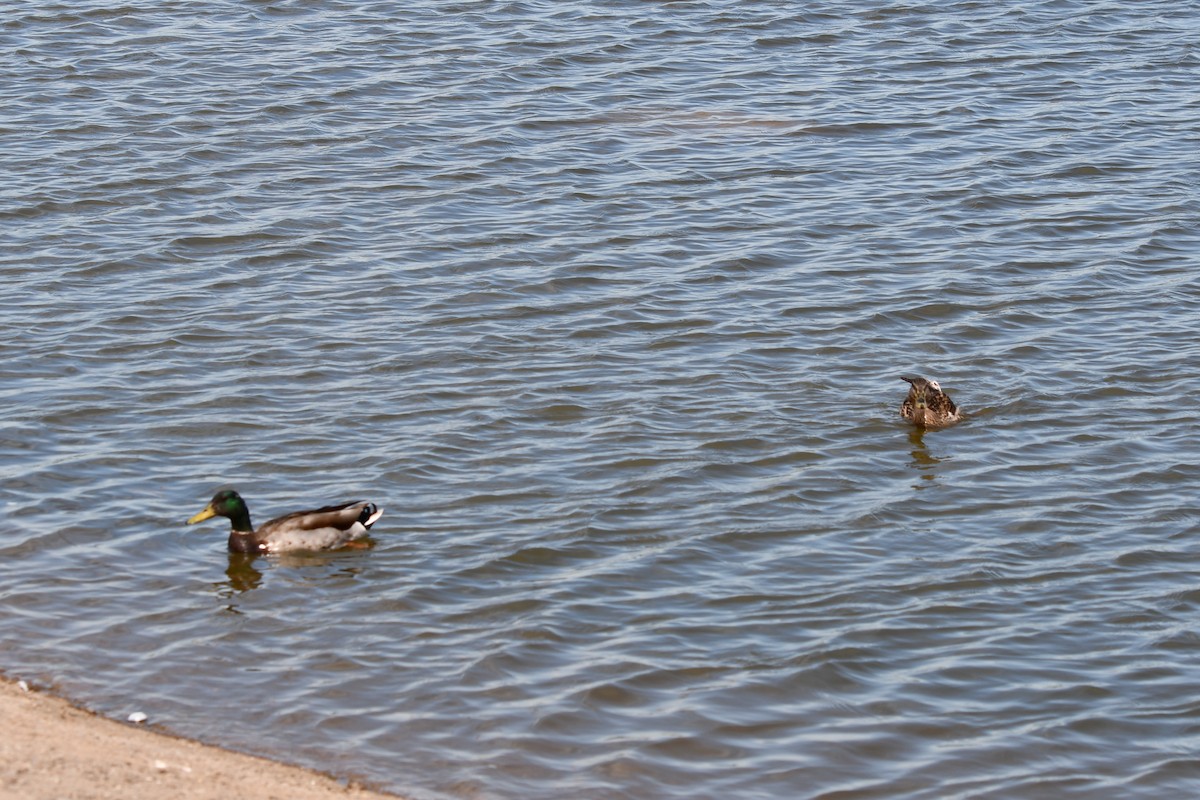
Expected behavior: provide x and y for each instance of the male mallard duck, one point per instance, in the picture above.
(927, 405)
(325, 528)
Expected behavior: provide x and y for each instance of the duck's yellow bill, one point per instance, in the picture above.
(207, 513)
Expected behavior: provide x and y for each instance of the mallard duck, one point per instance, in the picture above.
(325, 528)
(927, 405)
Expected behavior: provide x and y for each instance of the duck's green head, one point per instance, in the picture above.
(226, 503)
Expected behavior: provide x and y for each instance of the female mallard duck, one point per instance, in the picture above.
(927, 405)
(325, 528)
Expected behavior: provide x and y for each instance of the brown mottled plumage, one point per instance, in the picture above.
(325, 528)
(927, 405)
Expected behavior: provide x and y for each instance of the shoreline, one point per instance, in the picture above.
(55, 749)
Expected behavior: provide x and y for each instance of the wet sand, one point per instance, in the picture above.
(51, 749)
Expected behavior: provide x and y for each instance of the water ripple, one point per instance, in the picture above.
(607, 307)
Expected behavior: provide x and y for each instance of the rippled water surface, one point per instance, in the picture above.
(606, 304)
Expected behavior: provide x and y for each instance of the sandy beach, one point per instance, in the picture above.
(51, 749)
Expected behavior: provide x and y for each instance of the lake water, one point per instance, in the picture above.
(606, 305)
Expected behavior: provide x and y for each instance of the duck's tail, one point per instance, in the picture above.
(370, 515)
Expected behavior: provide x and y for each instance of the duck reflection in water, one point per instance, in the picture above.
(242, 573)
(927, 407)
(922, 460)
